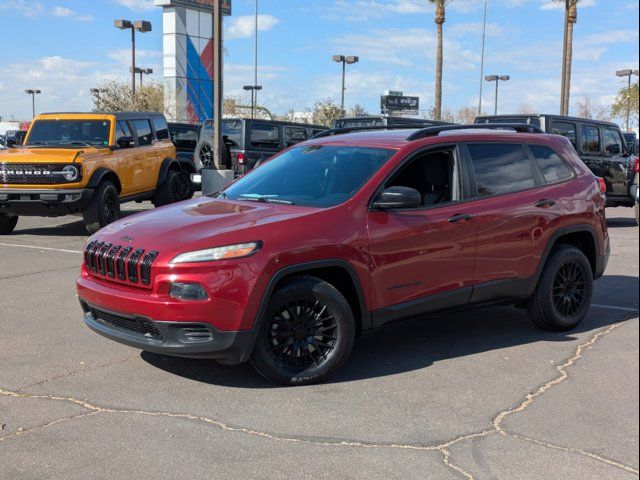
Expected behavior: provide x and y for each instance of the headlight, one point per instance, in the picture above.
(219, 253)
(70, 173)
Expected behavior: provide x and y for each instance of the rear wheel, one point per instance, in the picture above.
(7, 224)
(103, 209)
(563, 295)
(176, 187)
(306, 335)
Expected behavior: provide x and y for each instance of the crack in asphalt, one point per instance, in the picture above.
(22, 431)
(443, 448)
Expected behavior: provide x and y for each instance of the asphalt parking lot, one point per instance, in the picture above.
(481, 394)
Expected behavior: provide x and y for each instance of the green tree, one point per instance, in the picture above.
(619, 106)
(439, 19)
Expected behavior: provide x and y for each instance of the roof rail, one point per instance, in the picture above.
(343, 130)
(515, 127)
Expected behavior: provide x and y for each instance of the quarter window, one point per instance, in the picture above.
(591, 139)
(265, 136)
(566, 130)
(552, 167)
(293, 135)
(501, 168)
(612, 141)
(143, 129)
(161, 127)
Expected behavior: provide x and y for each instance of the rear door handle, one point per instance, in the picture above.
(460, 217)
(546, 203)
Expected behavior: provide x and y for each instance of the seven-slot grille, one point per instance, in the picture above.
(32, 173)
(115, 261)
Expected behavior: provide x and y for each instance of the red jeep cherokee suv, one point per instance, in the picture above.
(347, 232)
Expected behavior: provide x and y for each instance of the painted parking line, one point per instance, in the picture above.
(35, 247)
(613, 307)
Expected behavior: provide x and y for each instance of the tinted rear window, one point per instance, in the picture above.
(265, 136)
(552, 167)
(590, 139)
(566, 129)
(501, 168)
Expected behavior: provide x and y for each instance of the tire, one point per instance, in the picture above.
(304, 306)
(204, 154)
(103, 209)
(176, 187)
(7, 224)
(563, 295)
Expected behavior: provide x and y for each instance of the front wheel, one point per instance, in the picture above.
(103, 209)
(7, 224)
(563, 295)
(306, 335)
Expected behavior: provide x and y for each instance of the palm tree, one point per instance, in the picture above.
(570, 18)
(439, 19)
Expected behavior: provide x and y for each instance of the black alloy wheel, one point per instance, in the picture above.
(111, 207)
(306, 333)
(569, 289)
(302, 333)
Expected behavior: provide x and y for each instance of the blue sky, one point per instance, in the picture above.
(64, 47)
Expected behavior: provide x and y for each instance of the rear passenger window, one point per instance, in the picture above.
(612, 141)
(566, 130)
(552, 167)
(143, 129)
(501, 168)
(265, 136)
(590, 139)
(161, 128)
(293, 135)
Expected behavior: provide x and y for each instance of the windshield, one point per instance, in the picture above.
(70, 133)
(316, 175)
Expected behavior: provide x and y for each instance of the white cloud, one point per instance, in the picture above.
(123, 57)
(61, 12)
(243, 26)
(29, 9)
(137, 5)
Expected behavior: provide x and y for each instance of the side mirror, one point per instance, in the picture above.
(397, 197)
(125, 142)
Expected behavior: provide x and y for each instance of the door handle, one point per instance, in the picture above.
(459, 217)
(546, 203)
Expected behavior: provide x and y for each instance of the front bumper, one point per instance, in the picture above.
(182, 339)
(44, 203)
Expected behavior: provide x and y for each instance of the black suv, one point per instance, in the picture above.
(185, 137)
(252, 141)
(383, 121)
(601, 146)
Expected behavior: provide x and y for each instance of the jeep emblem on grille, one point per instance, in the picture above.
(126, 238)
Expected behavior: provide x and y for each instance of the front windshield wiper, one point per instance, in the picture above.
(265, 199)
(83, 144)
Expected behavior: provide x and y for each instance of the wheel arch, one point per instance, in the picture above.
(338, 273)
(176, 165)
(102, 174)
(581, 236)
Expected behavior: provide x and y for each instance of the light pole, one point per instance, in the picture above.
(344, 60)
(96, 92)
(496, 78)
(627, 73)
(33, 94)
(254, 89)
(143, 27)
(143, 71)
(254, 92)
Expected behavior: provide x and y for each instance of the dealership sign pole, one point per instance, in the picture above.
(217, 82)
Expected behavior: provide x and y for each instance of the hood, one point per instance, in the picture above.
(197, 224)
(43, 154)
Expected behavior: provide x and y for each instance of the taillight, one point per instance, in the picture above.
(238, 157)
(601, 185)
(636, 168)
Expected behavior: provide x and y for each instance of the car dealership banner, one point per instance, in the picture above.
(187, 44)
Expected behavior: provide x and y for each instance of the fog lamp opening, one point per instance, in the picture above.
(190, 292)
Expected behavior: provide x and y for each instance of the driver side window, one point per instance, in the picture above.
(434, 174)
